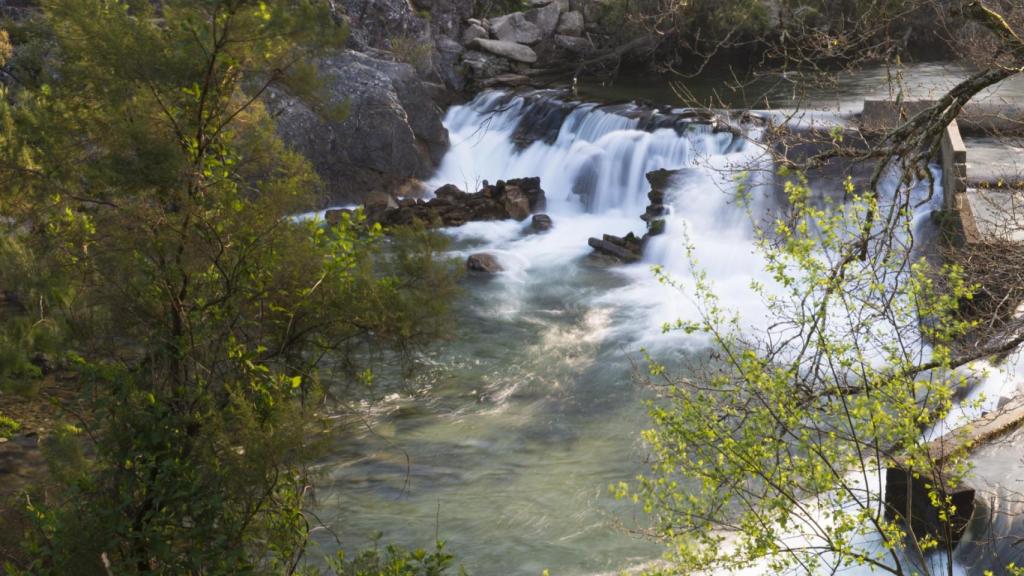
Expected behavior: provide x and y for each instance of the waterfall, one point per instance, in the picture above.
(588, 157)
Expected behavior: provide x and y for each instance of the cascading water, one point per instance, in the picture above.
(507, 445)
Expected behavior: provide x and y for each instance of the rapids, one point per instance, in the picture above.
(506, 445)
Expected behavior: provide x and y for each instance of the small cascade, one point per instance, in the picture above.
(589, 157)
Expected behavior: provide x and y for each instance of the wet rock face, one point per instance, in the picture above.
(515, 199)
(391, 134)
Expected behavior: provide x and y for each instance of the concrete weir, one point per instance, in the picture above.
(983, 186)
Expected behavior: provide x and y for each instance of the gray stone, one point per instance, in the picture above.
(516, 28)
(377, 24)
(510, 80)
(393, 132)
(573, 44)
(546, 18)
(484, 262)
(571, 24)
(447, 58)
(473, 32)
(485, 65)
(510, 50)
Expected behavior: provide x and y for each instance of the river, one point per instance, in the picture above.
(506, 443)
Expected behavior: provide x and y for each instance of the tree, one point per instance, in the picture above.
(773, 453)
(147, 207)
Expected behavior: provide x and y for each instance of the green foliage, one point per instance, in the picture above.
(147, 218)
(394, 561)
(8, 427)
(772, 454)
(412, 51)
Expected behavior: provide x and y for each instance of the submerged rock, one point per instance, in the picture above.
(484, 262)
(541, 222)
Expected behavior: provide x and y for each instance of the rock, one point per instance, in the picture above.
(485, 65)
(379, 24)
(392, 134)
(483, 262)
(627, 249)
(516, 28)
(573, 44)
(452, 207)
(571, 24)
(545, 18)
(505, 49)
(654, 212)
(510, 80)
(541, 222)
(660, 179)
(334, 217)
(655, 227)
(447, 63)
(473, 32)
(516, 204)
(449, 192)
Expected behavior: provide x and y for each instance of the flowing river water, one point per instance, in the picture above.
(506, 443)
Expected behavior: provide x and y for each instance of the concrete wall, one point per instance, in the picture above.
(954, 167)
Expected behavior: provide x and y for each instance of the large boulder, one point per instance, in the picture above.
(571, 24)
(516, 28)
(484, 65)
(391, 134)
(472, 32)
(509, 50)
(545, 18)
